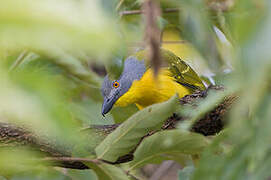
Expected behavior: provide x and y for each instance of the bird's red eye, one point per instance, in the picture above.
(116, 84)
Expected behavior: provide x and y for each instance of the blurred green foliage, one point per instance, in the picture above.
(48, 87)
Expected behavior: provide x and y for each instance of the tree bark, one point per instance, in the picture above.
(210, 124)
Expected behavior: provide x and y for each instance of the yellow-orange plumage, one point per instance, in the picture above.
(137, 84)
(149, 90)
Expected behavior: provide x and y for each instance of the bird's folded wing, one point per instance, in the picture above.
(182, 72)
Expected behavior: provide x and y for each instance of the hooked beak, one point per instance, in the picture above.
(108, 104)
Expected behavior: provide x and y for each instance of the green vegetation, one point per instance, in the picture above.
(51, 53)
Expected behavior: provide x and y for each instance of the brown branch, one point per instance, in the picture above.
(151, 10)
(13, 136)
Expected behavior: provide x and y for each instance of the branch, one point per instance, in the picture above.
(214, 5)
(18, 61)
(152, 33)
(132, 12)
(13, 136)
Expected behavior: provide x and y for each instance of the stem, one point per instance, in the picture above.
(70, 159)
(139, 11)
(18, 61)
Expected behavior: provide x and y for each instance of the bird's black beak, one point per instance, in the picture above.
(108, 104)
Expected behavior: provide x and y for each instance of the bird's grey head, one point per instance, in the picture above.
(113, 90)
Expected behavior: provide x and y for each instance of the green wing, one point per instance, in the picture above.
(182, 72)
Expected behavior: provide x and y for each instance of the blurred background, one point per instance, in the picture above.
(54, 55)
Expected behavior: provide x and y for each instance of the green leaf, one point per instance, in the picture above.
(121, 114)
(18, 160)
(182, 159)
(127, 136)
(81, 174)
(74, 66)
(164, 143)
(91, 138)
(107, 172)
(41, 174)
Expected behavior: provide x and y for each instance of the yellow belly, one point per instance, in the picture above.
(149, 90)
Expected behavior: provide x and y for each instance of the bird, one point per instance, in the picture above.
(138, 85)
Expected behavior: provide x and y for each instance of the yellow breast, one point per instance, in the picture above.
(149, 90)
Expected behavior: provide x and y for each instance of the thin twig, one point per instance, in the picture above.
(141, 44)
(139, 11)
(131, 175)
(81, 160)
(119, 4)
(18, 60)
(174, 42)
(71, 159)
